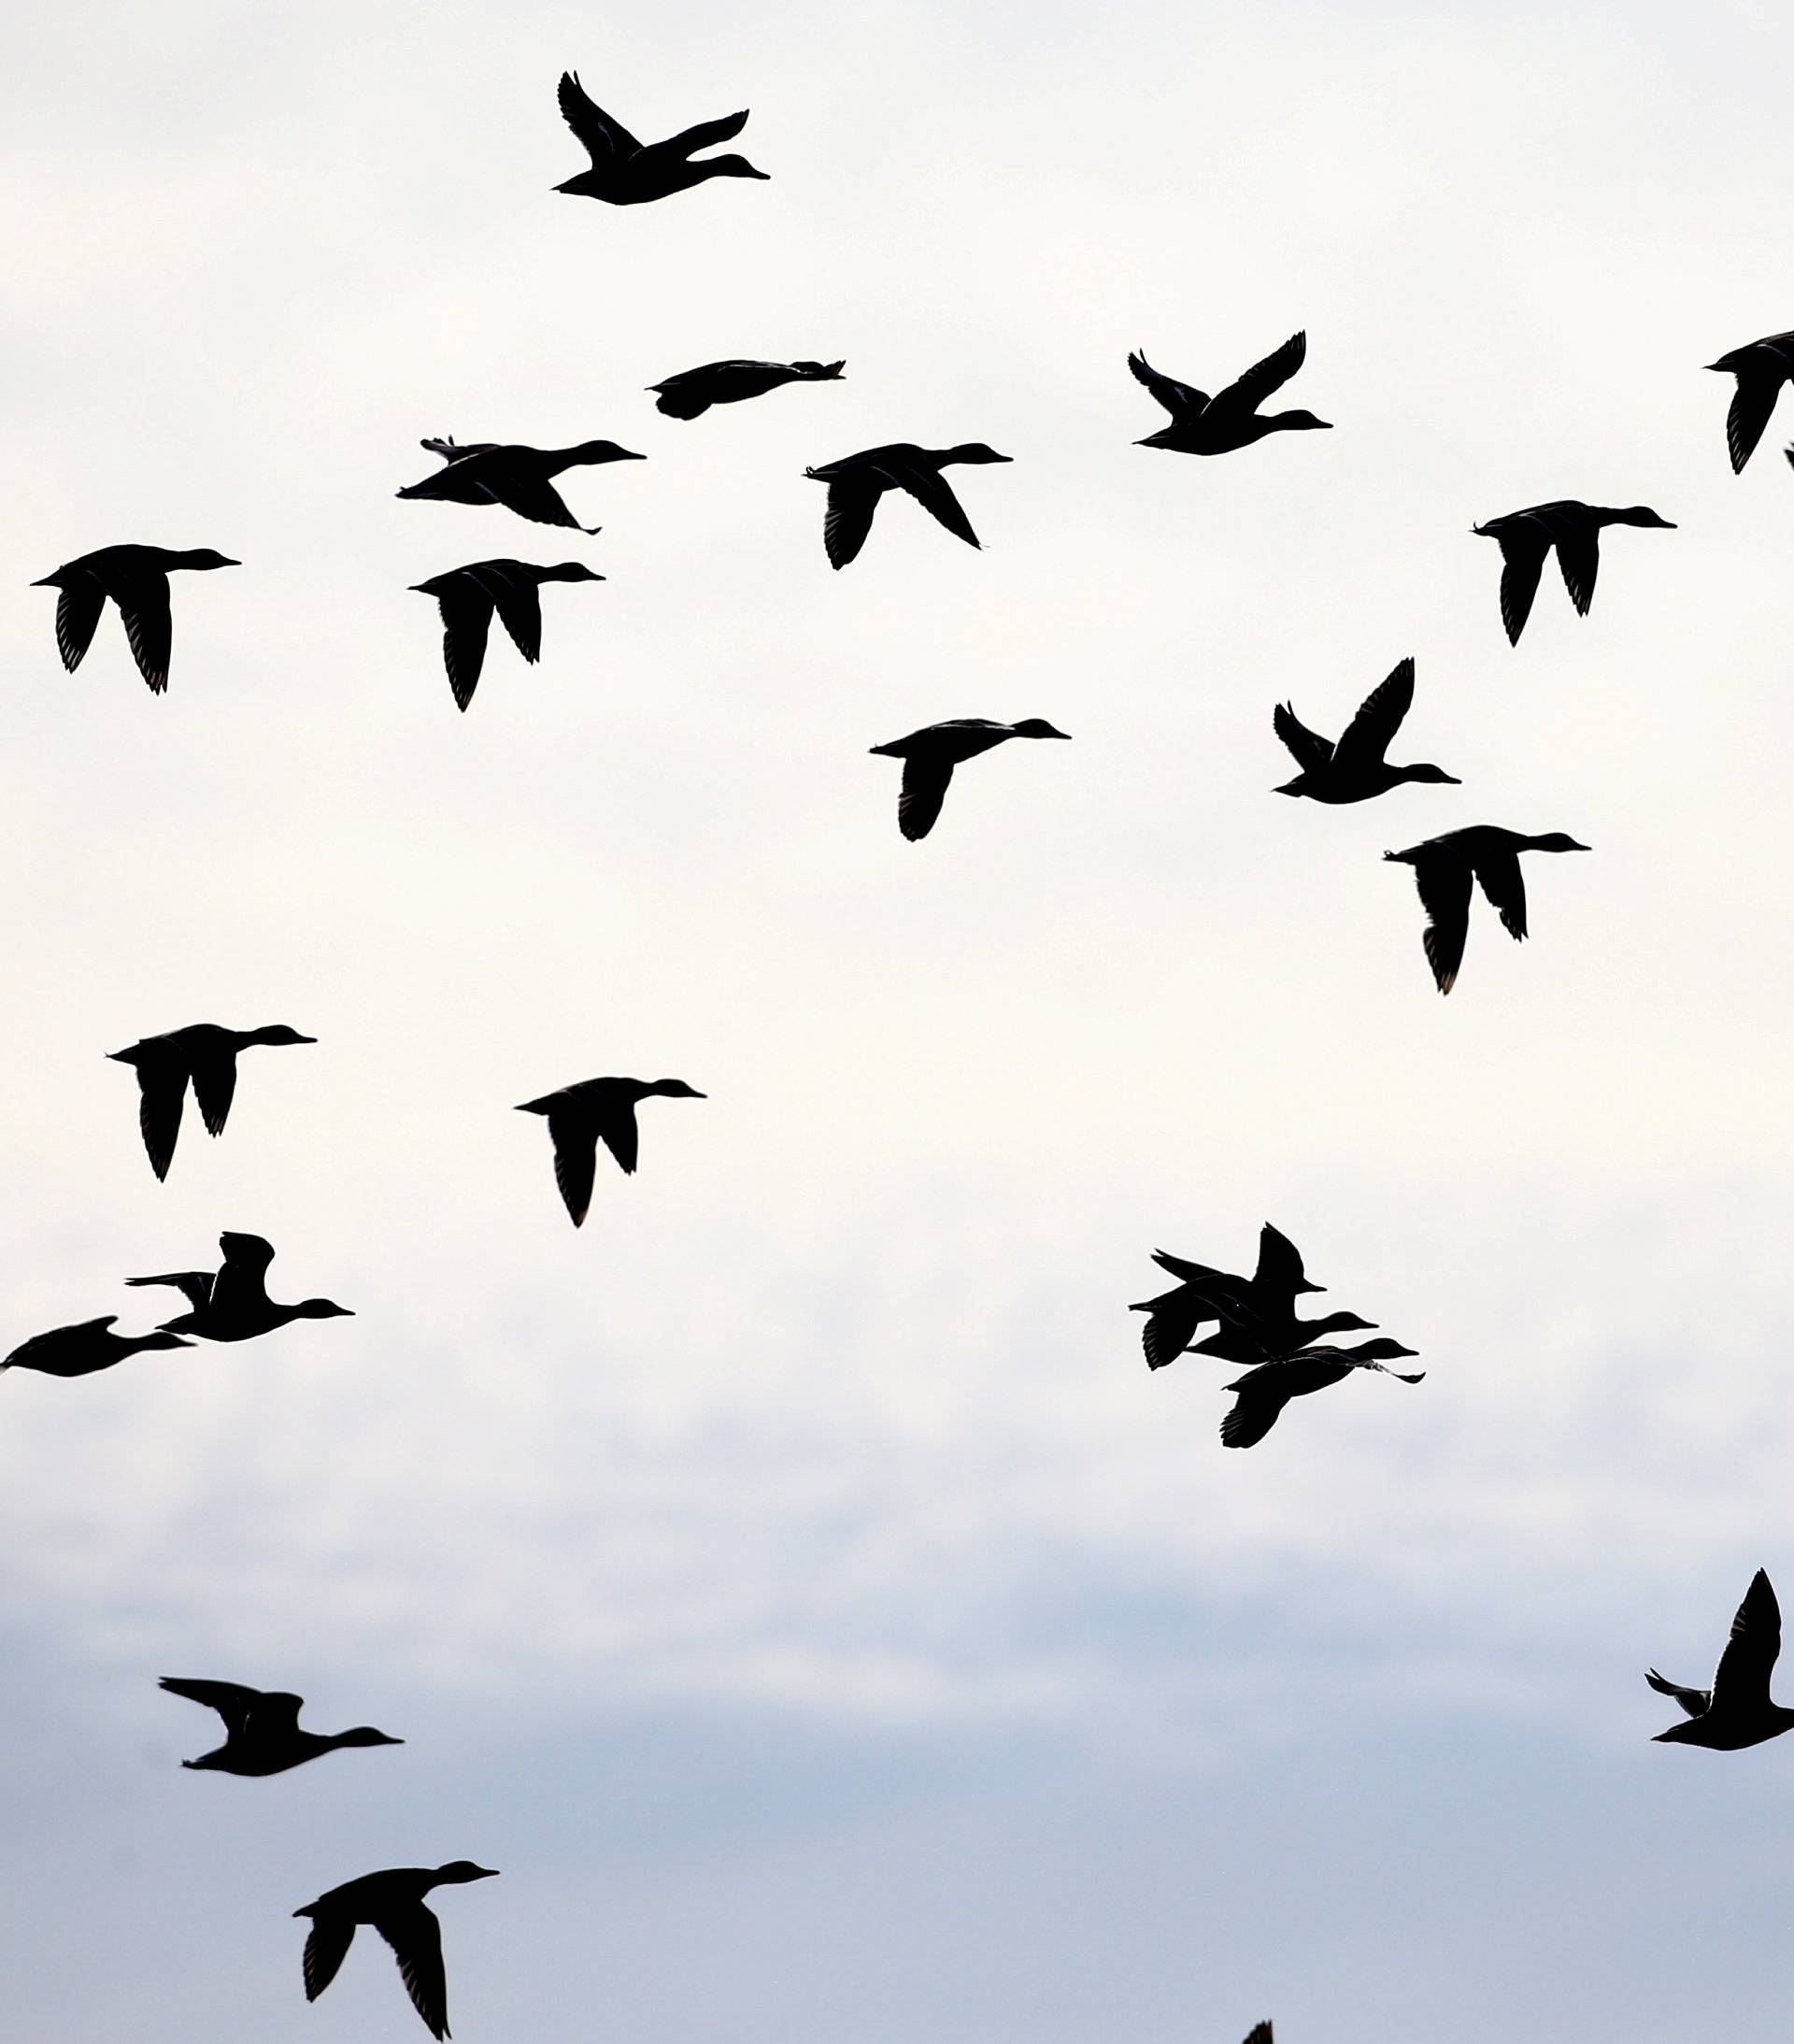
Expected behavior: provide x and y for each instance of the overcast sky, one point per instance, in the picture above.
(793, 1581)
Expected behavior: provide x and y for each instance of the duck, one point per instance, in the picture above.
(693, 392)
(391, 1902)
(1205, 1293)
(1231, 420)
(136, 580)
(231, 1304)
(518, 478)
(1443, 870)
(1574, 530)
(930, 755)
(86, 1346)
(625, 172)
(1354, 769)
(204, 1054)
(1736, 1711)
(1761, 367)
(579, 1115)
(856, 481)
(467, 596)
(262, 1731)
(1263, 1392)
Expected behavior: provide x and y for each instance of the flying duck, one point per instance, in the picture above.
(1761, 367)
(231, 1304)
(203, 1054)
(261, 1730)
(1443, 870)
(467, 596)
(1205, 1294)
(1265, 1391)
(579, 1115)
(929, 755)
(1574, 530)
(1736, 1711)
(391, 1902)
(1202, 424)
(86, 1346)
(624, 172)
(518, 478)
(1355, 770)
(695, 390)
(856, 481)
(136, 580)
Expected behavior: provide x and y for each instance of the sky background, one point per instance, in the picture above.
(793, 1581)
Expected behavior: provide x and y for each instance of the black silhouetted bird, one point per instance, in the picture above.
(1443, 870)
(261, 1730)
(467, 596)
(136, 580)
(231, 1304)
(1202, 424)
(88, 1346)
(693, 391)
(624, 172)
(203, 1054)
(1574, 530)
(1263, 1392)
(1761, 367)
(579, 1115)
(929, 755)
(1355, 770)
(1736, 1711)
(391, 1902)
(1265, 1299)
(518, 478)
(856, 481)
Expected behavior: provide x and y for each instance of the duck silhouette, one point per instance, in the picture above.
(580, 1116)
(391, 1902)
(136, 580)
(1231, 420)
(1761, 367)
(1736, 1711)
(1262, 1392)
(929, 755)
(1443, 870)
(1355, 770)
(467, 596)
(204, 1054)
(625, 172)
(84, 1348)
(261, 1730)
(693, 392)
(1205, 1294)
(518, 478)
(1574, 530)
(856, 481)
(232, 1303)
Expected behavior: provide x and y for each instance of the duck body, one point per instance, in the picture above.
(231, 1304)
(1262, 1392)
(1761, 367)
(263, 1734)
(693, 392)
(204, 1054)
(1205, 1294)
(1737, 1710)
(521, 479)
(856, 481)
(929, 755)
(391, 1902)
(1444, 868)
(1231, 420)
(1571, 527)
(625, 172)
(596, 1110)
(466, 597)
(137, 581)
(86, 1346)
(1354, 769)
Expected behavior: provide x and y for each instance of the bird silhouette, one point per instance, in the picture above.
(579, 1116)
(929, 755)
(467, 596)
(261, 1730)
(1736, 1711)
(856, 481)
(625, 172)
(518, 478)
(693, 392)
(1355, 770)
(1202, 424)
(232, 1303)
(86, 1347)
(1267, 1299)
(391, 1902)
(1761, 367)
(136, 580)
(1442, 871)
(204, 1054)
(1262, 1392)
(1574, 530)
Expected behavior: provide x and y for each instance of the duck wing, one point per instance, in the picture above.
(602, 136)
(934, 493)
(1171, 1325)
(704, 133)
(1751, 1651)
(235, 1702)
(1368, 736)
(162, 1090)
(144, 607)
(241, 1282)
(77, 612)
(327, 1946)
(214, 1076)
(1262, 1393)
(466, 617)
(575, 1160)
(195, 1286)
(1695, 1702)
(518, 603)
(1579, 558)
(1248, 393)
(416, 1939)
(1523, 553)
(1443, 886)
(1499, 875)
(1258, 2033)
(534, 497)
(1309, 749)
(924, 788)
(847, 519)
(1181, 400)
(1751, 403)
(616, 1125)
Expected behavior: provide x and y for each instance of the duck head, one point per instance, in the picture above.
(1294, 421)
(1035, 727)
(974, 451)
(820, 372)
(365, 1735)
(730, 166)
(1426, 771)
(1339, 1324)
(277, 1033)
(1556, 840)
(323, 1309)
(1640, 514)
(460, 1870)
(590, 452)
(570, 571)
(206, 557)
(677, 1089)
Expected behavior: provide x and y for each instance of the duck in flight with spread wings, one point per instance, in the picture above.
(693, 392)
(856, 481)
(1202, 424)
(624, 172)
(137, 581)
(232, 1303)
(580, 1116)
(1267, 1300)
(1262, 1392)
(202, 1055)
(1574, 530)
(518, 478)
(1444, 868)
(1761, 367)
(929, 755)
(88, 1346)
(1736, 1711)
(1354, 769)
(261, 1729)
(467, 596)
(391, 1902)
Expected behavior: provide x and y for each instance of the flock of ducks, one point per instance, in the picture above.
(1254, 1319)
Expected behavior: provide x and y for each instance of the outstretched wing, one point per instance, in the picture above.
(576, 1161)
(924, 788)
(1443, 887)
(1695, 1702)
(934, 493)
(520, 609)
(195, 1286)
(616, 1125)
(1579, 557)
(77, 612)
(604, 138)
(1501, 878)
(1181, 400)
(162, 1095)
(1750, 1653)
(534, 497)
(705, 135)
(1251, 389)
(1279, 1276)
(1523, 555)
(1262, 1393)
(466, 617)
(416, 1939)
(848, 520)
(1309, 749)
(215, 1088)
(326, 1947)
(232, 1701)
(149, 628)
(1366, 738)
(1751, 403)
